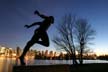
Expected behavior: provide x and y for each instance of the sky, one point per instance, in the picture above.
(14, 14)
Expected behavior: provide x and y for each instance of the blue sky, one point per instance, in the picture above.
(14, 14)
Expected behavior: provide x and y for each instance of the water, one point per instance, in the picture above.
(49, 62)
(6, 64)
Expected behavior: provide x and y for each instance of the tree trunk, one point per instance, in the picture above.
(74, 59)
(81, 53)
(81, 57)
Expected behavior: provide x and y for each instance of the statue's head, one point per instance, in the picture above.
(52, 19)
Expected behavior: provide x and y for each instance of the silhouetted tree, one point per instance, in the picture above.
(64, 40)
(83, 33)
(74, 34)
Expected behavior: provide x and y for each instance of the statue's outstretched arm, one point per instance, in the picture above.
(41, 15)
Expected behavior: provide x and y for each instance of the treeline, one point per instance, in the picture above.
(53, 56)
(103, 57)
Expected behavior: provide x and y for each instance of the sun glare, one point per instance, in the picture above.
(101, 52)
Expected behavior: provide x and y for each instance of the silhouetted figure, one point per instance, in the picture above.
(40, 35)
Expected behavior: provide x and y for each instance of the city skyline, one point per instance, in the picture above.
(14, 14)
(15, 53)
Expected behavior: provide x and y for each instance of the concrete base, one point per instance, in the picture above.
(42, 68)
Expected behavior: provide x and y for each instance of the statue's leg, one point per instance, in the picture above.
(44, 39)
(27, 47)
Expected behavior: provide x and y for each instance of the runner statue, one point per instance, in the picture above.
(40, 34)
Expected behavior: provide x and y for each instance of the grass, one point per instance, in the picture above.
(94, 67)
